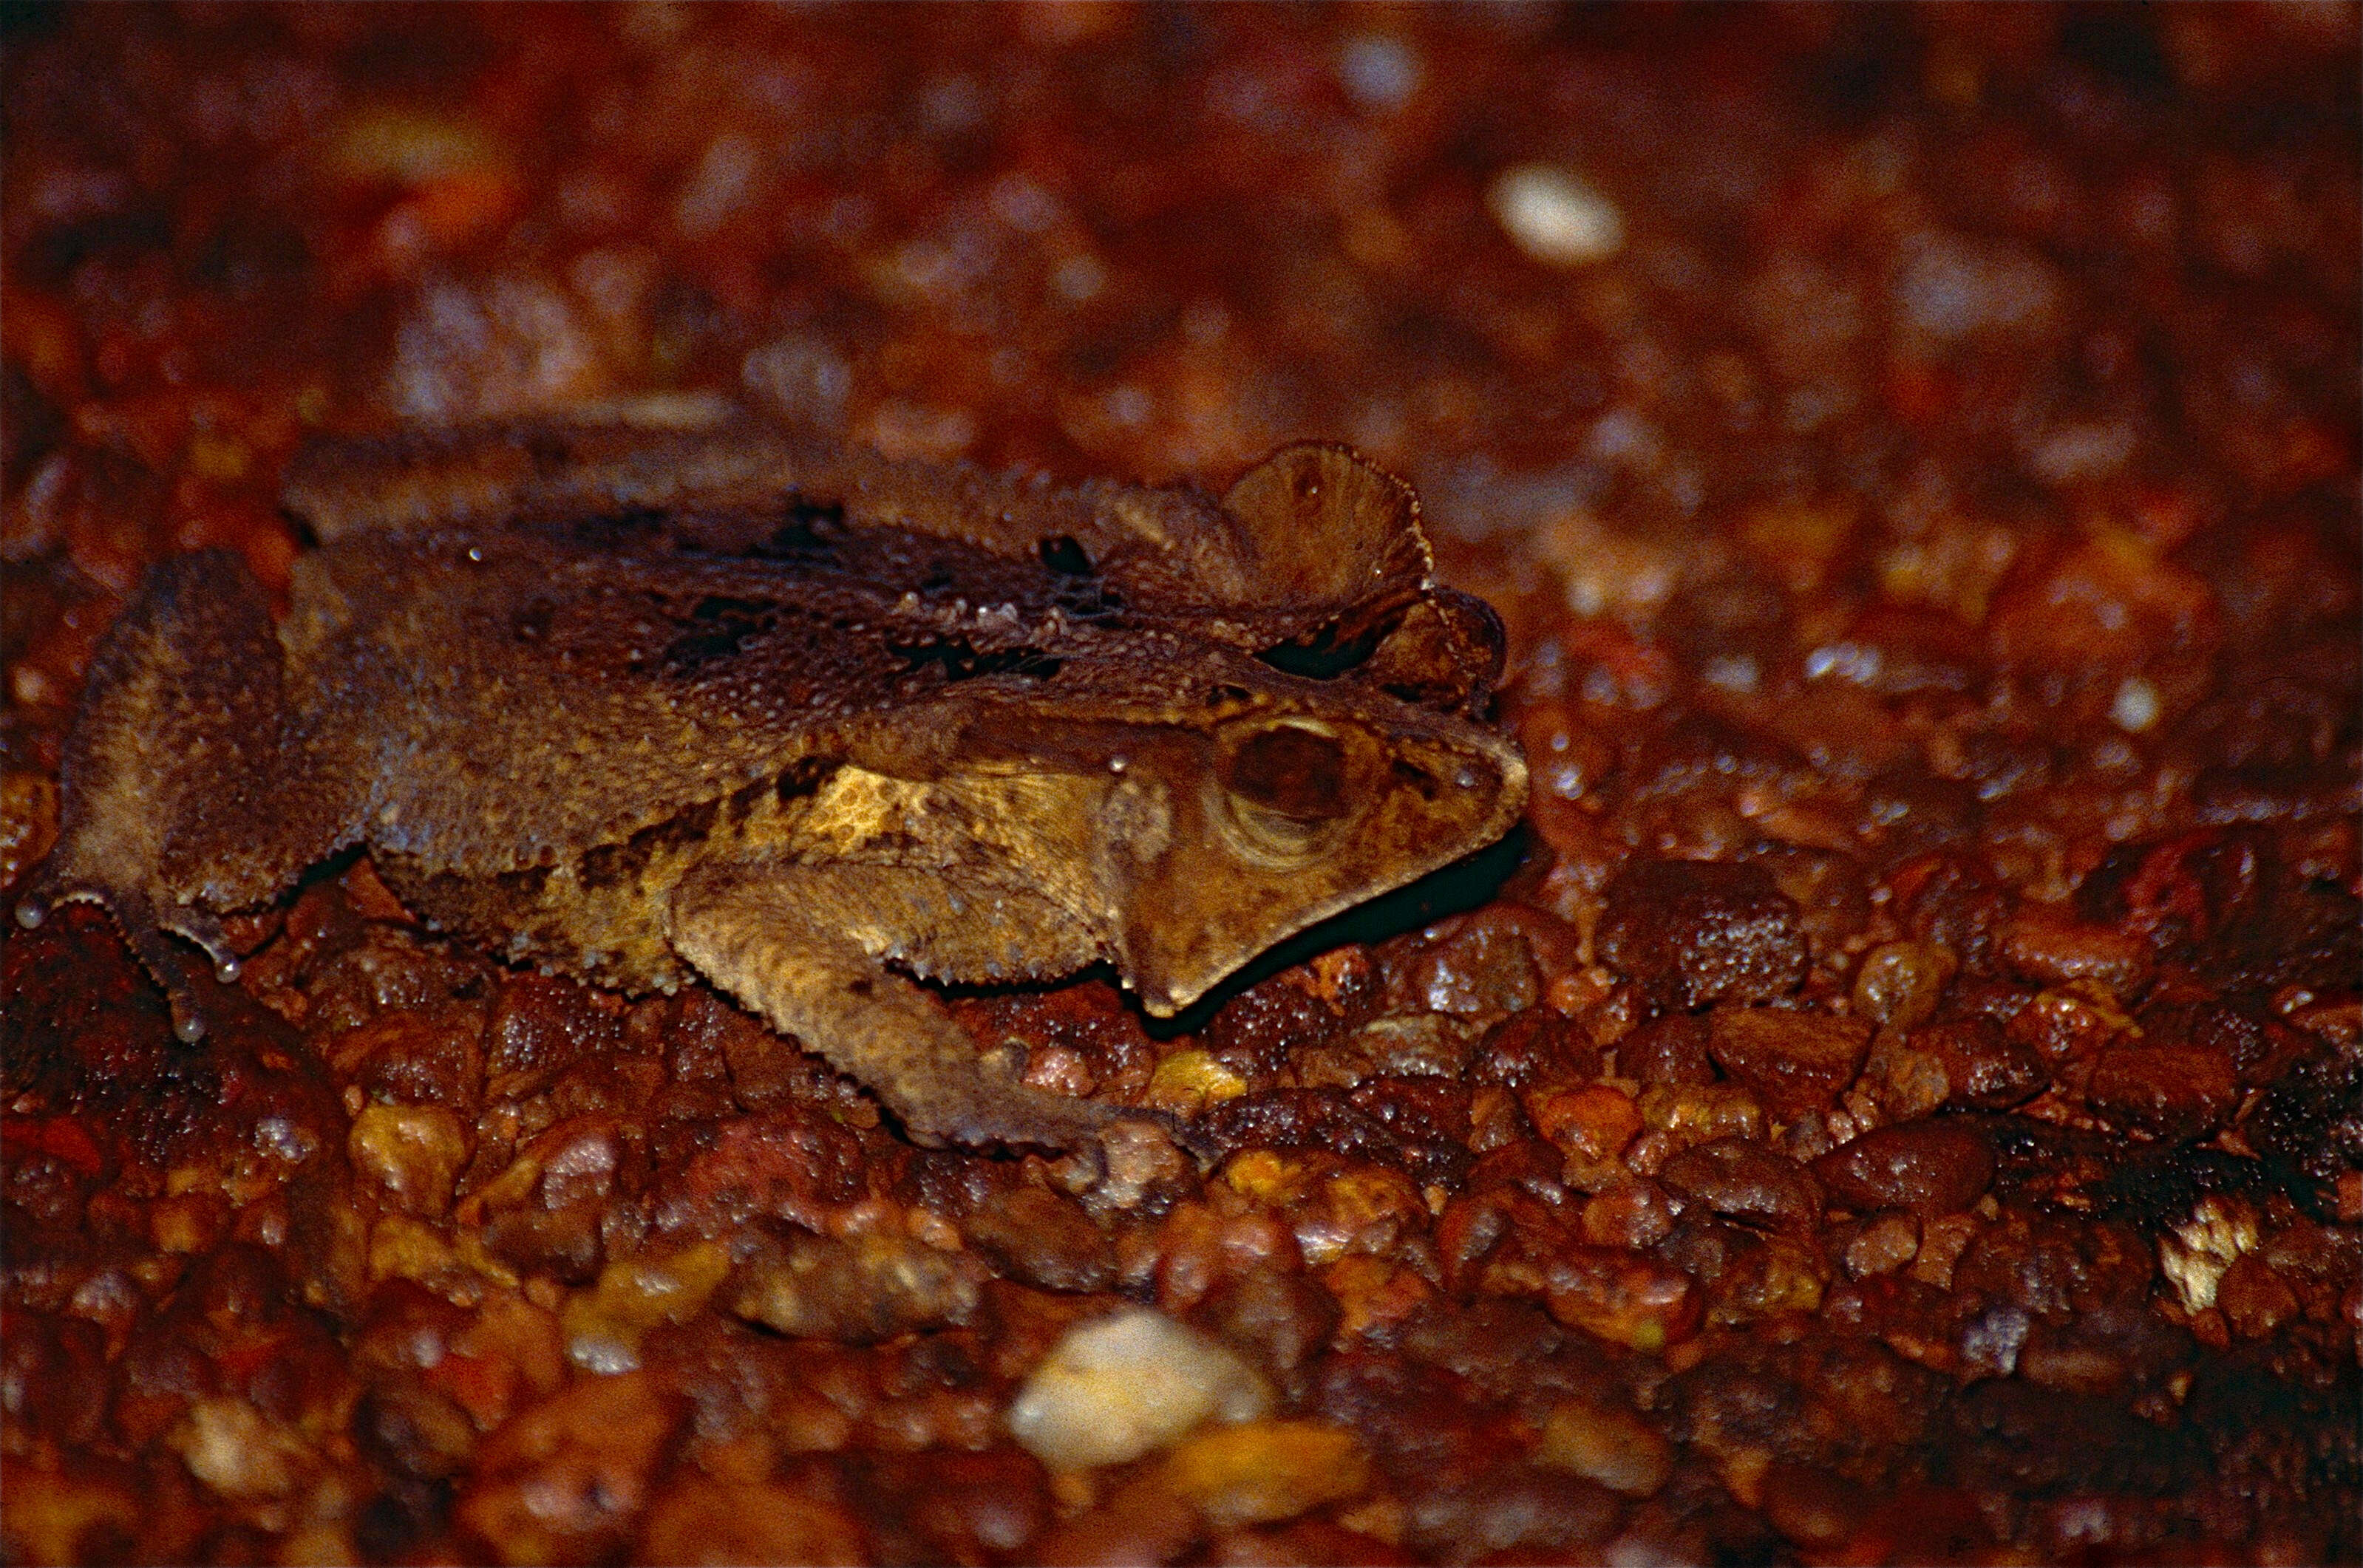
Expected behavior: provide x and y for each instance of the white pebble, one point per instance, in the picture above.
(1554, 217)
(1127, 1385)
(1380, 71)
(2136, 708)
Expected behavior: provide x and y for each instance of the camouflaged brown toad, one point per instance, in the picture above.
(646, 703)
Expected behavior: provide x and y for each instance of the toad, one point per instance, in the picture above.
(649, 702)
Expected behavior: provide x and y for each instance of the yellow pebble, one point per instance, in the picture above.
(1262, 1472)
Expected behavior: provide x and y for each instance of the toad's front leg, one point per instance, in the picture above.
(777, 935)
(184, 791)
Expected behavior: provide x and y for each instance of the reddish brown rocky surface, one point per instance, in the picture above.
(1904, 1104)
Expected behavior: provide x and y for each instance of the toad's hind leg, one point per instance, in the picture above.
(181, 799)
(775, 935)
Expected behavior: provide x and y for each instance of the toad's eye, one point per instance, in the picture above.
(1292, 771)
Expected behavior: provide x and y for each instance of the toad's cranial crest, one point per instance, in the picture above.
(650, 703)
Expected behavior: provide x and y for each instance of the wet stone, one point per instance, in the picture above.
(2174, 1092)
(604, 1326)
(2053, 1266)
(2067, 1026)
(1984, 1068)
(2312, 1115)
(1306, 1541)
(1041, 1238)
(1427, 1111)
(565, 1480)
(1669, 1050)
(788, 1162)
(705, 1522)
(1144, 1521)
(1898, 983)
(1907, 1083)
(1928, 1167)
(2258, 1048)
(948, 1505)
(1880, 1243)
(428, 1056)
(50, 1367)
(860, 1290)
(1918, 808)
(1484, 969)
(1533, 1047)
(1327, 1119)
(413, 1152)
(1829, 891)
(413, 1429)
(1954, 899)
(561, 1245)
(1258, 1032)
(1495, 1120)
(1591, 1124)
(1285, 1316)
(1795, 1061)
(1677, 1118)
(2176, 890)
(1422, 1045)
(1632, 1214)
(1744, 1180)
(1746, 1275)
(1629, 1300)
(2253, 1298)
(1188, 1081)
(1334, 1206)
(1608, 1444)
(2050, 949)
(540, 1026)
(1527, 1164)
(1694, 933)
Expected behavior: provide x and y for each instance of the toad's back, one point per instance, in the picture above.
(492, 702)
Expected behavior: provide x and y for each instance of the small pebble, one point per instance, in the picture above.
(1883, 1243)
(2042, 945)
(1380, 71)
(1928, 1167)
(1795, 1061)
(1266, 1471)
(1127, 1385)
(1745, 1181)
(414, 1152)
(1900, 983)
(1555, 217)
(860, 1290)
(1612, 1446)
(2136, 708)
